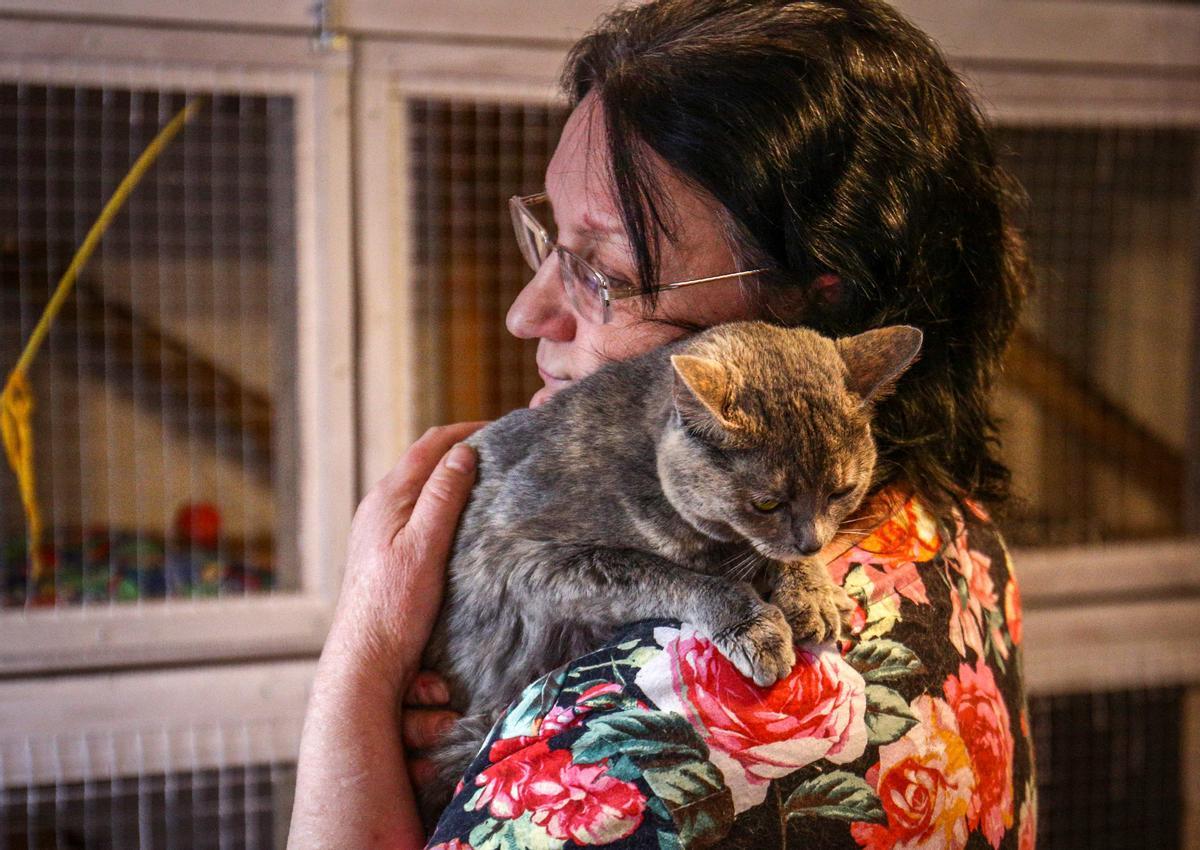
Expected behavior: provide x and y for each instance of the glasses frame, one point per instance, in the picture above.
(603, 291)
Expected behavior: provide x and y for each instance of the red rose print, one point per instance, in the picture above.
(580, 802)
(758, 734)
(984, 723)
(583, 803)
(924, 781)
(516, 768)
(452, 844)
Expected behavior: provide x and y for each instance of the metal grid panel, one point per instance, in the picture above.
(1109, 769)
(1101, 378)
(241, 806)
(166, 388)
(467, 159)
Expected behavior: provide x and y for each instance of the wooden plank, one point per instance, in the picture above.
(76, 728)
(1068, 574)
(1111, 646)
(1102, 34)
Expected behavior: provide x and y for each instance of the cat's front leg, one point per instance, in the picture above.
(754, 635)
(815, 607)
(609, 587)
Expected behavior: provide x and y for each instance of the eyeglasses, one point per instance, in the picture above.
(591, 292)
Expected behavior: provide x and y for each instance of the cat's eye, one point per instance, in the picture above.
(765, 505)
(838, 495)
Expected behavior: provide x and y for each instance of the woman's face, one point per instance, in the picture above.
(571, 347)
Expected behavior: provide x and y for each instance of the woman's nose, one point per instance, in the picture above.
(541, 308)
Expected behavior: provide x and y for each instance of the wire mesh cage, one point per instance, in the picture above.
(165, 391)
(1100, 379)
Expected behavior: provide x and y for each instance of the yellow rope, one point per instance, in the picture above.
(16, 401)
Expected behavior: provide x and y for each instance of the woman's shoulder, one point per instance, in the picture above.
(912, 730)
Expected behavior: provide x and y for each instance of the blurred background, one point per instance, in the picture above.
(317, 268)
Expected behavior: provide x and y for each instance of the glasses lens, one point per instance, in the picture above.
(531, 236)
(584, 286)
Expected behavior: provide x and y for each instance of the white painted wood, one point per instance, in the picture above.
(161, 632)
(1107, 34)
(1053, 576)
(325, 337)
(1062, 97)
(285, 622)
(1103, 34)
(130, 724)
(526, 72)
(387, 367)
(1113, 645)
(58, 41)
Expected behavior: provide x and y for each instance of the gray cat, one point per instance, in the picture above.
(661, 486)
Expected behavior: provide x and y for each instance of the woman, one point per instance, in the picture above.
(825, 152)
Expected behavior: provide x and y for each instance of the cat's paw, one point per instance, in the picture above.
(760, 646)
(816, 616)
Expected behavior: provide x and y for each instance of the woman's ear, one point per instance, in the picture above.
(875, 359)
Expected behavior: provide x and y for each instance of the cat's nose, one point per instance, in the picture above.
(805, 538)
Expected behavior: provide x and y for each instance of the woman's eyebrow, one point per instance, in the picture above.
(591, 226)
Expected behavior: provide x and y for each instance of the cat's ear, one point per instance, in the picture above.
(703, 390)
(876, 358)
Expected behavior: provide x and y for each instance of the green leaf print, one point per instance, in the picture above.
(668, 841)
(699, 802)
(512, 834)
(839, 795)
(883, 660)
(640, 735)
(888, 715)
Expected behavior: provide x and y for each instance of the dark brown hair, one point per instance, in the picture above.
(838, 140)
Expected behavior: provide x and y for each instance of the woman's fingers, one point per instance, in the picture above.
(427, 688)
(422, 728)
(435, 515)
(390, 502)
(422, 772)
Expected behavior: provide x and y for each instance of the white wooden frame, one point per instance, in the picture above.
(279, 623)
(1129, 614)
(1119, 36)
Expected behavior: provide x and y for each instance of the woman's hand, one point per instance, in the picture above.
(352, 783)
(400, 539)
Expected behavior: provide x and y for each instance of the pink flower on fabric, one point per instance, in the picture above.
(984, 723)
(583, 803)
(1012, 611)
(579, 802)
(758, 734)
(452, 844)
(1027, 834)
(967, 616)
(925, 782)
(518, 763)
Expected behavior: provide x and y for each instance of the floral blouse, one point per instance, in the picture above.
(910, 733)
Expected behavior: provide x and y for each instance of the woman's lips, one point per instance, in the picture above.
(552, 379)
(553, 385)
